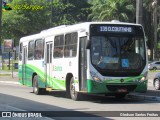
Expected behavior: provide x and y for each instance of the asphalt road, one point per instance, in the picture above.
(16, 97)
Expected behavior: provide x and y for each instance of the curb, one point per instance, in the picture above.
(8, 74)
(144, 97)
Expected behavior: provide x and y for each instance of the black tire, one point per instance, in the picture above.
(73, 94)
(156, 84)
(36, 89)
(120, 95)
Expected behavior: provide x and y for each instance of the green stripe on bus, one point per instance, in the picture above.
(30, 69)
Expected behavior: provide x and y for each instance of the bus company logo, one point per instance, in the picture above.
(57, 68)
(6, 114)
(6, 6)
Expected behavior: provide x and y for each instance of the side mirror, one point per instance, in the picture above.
(88, 45)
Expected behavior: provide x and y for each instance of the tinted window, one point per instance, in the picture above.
(39, 49)
(122, 54)
(70, 49)
(157, 63)
(58, 46)
(31, 50)
(20, 51)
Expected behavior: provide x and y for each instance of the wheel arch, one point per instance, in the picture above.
(68, 78)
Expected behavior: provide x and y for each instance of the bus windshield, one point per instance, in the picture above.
(118, 53)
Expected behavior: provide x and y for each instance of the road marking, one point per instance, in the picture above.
(143, 97)
(10, 82)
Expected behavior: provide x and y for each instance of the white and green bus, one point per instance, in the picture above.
(93, 57)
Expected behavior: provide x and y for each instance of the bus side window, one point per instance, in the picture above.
(39, 48)
(31, 50)
(58, 46)
(71, 44)
(20, 51)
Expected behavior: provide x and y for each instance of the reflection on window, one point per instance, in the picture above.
(20, 51)
(58, 46)
(39, 49)
(117, 53)
(140, 47)
(47, 53)
(50, 53)
(31, 50)
(70, 49)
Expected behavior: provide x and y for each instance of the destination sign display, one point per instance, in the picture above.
(115, 29)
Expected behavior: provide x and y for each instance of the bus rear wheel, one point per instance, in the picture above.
(36, 89)
(73, 93)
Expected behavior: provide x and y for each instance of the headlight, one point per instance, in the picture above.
(145, 76)
(95, 77)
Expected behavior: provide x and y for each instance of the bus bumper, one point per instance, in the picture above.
(95, 87)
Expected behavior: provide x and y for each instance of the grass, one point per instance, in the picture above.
(154, 70)
(5, 67)
(1, 75)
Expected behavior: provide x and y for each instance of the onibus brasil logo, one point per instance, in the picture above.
(6, 6)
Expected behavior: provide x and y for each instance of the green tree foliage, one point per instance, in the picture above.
(70, 11)
(147, 21)
(23, 21)
(123, 10)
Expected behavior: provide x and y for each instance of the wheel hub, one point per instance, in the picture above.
(73, 89)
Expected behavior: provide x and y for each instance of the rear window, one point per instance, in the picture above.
(157, 62)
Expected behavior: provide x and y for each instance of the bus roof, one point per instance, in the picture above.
(80, 26)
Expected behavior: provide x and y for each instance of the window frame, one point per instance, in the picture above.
(20, 51)
(70, 44)
(29, 49)
(59, 45)
(41, 55)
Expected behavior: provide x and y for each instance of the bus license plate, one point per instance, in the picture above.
(122, 90)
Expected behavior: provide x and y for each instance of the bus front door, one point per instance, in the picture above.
(48, 63)
(83, 64)
(24, 57)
